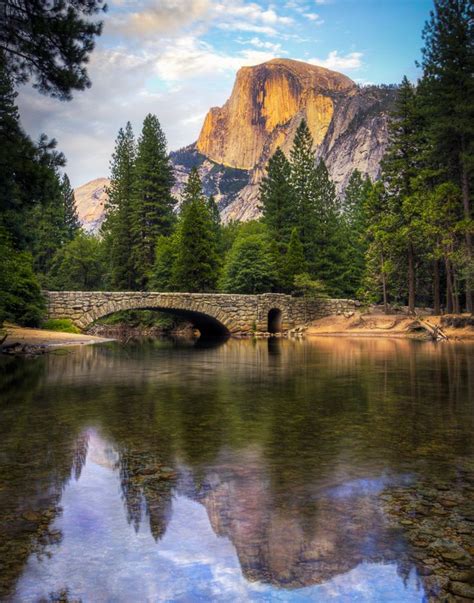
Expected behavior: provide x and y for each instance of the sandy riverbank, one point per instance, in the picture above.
(49, 339)
(381, 325)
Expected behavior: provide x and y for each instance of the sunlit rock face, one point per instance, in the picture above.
(266, 105)
(90, 203)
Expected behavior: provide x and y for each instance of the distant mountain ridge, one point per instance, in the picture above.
(267, 103)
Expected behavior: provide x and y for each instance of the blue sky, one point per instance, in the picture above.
(177, 58)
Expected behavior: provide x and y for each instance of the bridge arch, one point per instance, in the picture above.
(207, 319)
(274, 321)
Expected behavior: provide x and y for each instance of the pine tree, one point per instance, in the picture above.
(378, 267)
(193, 189)
(152, 200)
(326, 264)
(303, 183)
(216, 222)
(294, 262)
(400, 167)
(278, 200)
(354, 224)
(71, 219)
(448, 65)
(165, 258)
(117, 229)
(196, 267)
(51, 42)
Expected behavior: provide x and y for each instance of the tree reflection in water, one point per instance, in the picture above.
(297, 451)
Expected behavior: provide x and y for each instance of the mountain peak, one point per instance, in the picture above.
(266, 102)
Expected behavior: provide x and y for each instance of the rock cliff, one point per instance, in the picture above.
(90, 203)
(268, 101)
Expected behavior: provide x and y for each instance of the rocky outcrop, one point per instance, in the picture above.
(268, 101)
(90, 203)
(266, 105)
(348, 124)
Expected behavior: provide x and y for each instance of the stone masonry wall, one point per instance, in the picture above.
(237, 313)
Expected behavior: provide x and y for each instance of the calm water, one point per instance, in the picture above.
(331, 470)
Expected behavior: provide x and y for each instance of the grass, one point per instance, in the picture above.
(65, 325)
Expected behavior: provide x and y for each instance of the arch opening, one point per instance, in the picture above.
(274, 320)
(207, 325)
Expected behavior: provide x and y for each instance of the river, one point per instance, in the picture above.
(335, 469)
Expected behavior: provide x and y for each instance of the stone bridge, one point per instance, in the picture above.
(211, 313)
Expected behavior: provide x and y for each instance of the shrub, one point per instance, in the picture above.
(65, 325)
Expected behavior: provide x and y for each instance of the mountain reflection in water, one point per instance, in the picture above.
(251, 471)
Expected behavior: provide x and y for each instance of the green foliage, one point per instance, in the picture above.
(140, 318)
(64, 325)
(117, 228)
(308, 287)
(294, 262)
(20, 300)
(50, 42)
(71, 219)
(197, 263)
(353, 232)
(249, 266)
(165, 258)
(448, 105)
(277, 199)
(79, 265)
(152, 200)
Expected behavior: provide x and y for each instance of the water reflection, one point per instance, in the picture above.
(286, 470)
(190, 562)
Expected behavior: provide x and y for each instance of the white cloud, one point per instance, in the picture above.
(251, 27)
(158, 16)
(259, 43)
(314, 17)
(352, 60)
(188, 58)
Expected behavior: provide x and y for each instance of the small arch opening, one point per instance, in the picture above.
(274, 321)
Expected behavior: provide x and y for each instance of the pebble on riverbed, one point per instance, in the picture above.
(438, 523)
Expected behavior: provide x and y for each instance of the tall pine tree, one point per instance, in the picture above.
(400, 166)
(354, 225)
(152, 200)
(278, 200)
(71, 219)
(119, 223)
(197, 263)
(448, 65)
(303, 183)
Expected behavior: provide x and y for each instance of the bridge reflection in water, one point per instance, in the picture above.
(248, 471)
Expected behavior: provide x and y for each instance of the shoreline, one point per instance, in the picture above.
(30, 341)
(394, 326)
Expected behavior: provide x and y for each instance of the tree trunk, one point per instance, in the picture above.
(449, 289)
(436, 296)
(456, 304)
(411, 279)
(467, 216)
(384, 286)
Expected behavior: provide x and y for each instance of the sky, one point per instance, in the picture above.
(178, 58)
